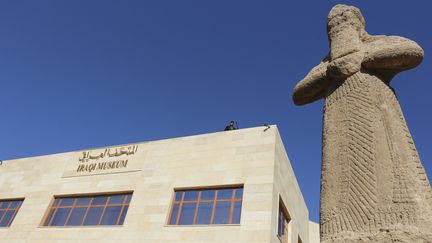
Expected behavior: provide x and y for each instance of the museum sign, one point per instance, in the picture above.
(104, 161)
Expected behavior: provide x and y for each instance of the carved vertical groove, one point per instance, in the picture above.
(360, 154)
(355, 105)
(358, 183)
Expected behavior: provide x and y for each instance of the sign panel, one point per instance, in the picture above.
(104, 161)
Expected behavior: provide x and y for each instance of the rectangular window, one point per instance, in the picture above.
(89, 210)
(206, 206)
(283, 220)
(8, 211)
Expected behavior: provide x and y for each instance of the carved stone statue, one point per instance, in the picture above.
(373, 185)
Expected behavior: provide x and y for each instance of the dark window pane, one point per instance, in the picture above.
(12, 218)
(225, 194)
(279, 228)
(208, 195)
(222, 212)
(4, 205)
(187, 213)
(82, 201)
(204, 213)
(283, 220)
(128, 198)
(111, 215)
(236, 213)
(15, 204)
(178, 196)
(93, 216)
(1, 213)
(116, 199)
(279, 223)
(282, 228)
(67, 201)
(60, 217)
(49, 217)
(99, 200)
(191, 196)
(123, 216)
(56, 201)
(239, 193)
(77, 216)
(6, 218)
(174, 213)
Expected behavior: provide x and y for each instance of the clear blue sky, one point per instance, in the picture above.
(82, 74)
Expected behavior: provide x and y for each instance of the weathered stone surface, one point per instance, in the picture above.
(373, 186)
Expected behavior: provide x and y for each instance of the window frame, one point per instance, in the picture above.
(55, 205)
(284, 238)
(233, 200)
(15, 210)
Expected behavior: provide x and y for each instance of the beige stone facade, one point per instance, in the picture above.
(254, 158)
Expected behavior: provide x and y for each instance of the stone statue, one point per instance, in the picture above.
(373, 185)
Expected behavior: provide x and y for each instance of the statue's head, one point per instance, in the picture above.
(345, 29)
(341, 15)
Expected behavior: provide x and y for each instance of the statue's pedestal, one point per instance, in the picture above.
(399, 234)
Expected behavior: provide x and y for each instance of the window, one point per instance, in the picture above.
(206, 206)
(283, 221)
(8, 211)
(299, 240)
(89, 210)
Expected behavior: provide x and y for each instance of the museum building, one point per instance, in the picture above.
(231, 186)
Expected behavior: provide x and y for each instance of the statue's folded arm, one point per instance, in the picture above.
(391, 54)
(313, 86)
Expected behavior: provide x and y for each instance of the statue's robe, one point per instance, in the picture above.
(372, 177)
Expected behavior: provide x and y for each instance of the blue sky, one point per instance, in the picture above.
(83, 74)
